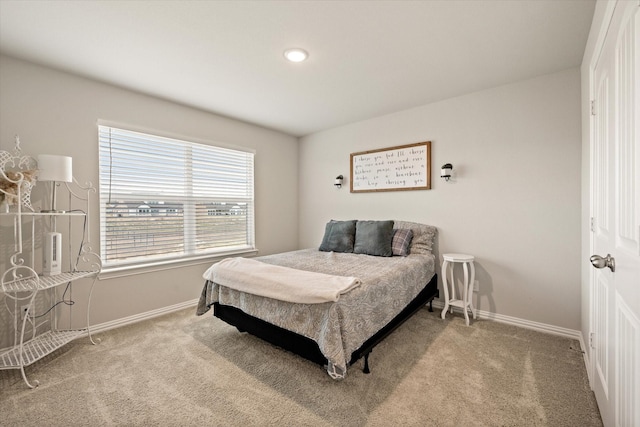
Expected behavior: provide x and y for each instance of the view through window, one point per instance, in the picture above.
(164, 199)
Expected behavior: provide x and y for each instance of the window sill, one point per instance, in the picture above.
(131, 270)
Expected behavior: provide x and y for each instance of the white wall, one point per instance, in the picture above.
(514, 202)
(56, 113)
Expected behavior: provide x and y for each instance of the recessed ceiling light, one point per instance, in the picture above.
(296, 54)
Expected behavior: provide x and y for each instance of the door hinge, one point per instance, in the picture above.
(593, 107)
(592, 340)
(592, 226)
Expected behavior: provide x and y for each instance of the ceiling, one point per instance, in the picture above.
(367, 58)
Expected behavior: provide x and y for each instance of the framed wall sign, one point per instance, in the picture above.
(405, 167)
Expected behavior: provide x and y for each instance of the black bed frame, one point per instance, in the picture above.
(308, 348)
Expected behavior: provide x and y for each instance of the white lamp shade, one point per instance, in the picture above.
(54, 168)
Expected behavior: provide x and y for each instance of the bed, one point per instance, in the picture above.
(336, 333)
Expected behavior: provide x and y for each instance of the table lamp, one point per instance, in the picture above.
(55, 169)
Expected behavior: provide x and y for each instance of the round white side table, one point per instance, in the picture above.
(467, 284)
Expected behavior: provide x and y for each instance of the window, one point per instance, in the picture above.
(165, 199)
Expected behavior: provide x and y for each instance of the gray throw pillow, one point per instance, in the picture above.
(339, 236)
(374, 238)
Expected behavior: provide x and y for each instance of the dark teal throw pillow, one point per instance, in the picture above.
(374, 238)
(339, 236)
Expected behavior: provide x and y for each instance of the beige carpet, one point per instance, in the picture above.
(183, 370)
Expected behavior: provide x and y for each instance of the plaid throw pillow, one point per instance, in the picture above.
(401, 241)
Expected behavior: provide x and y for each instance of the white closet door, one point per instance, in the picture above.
(615, 178)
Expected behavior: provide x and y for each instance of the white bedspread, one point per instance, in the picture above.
(280, 283)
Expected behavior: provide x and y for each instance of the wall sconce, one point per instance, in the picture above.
(338, 181)
(55, 169)
(445, 171)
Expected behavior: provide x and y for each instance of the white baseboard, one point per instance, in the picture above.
(515, 321)
(587, 362)
(523, 323)
(101, 327)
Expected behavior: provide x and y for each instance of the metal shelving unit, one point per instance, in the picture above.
(20, 282)
(37, 348)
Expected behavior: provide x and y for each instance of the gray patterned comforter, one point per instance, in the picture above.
(339, 328)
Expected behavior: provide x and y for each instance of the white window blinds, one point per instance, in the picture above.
(162, 198)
